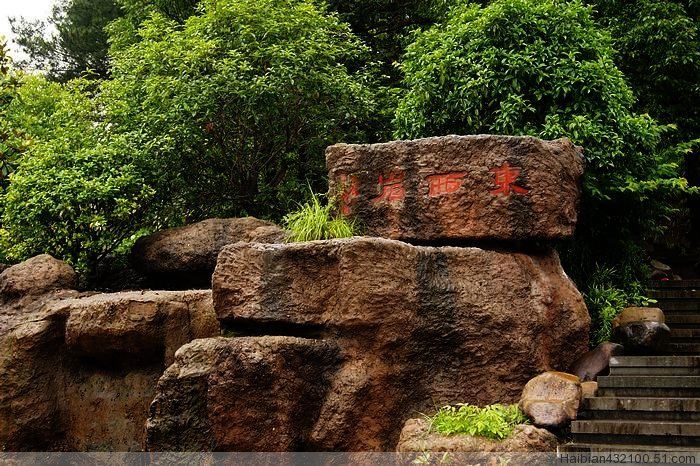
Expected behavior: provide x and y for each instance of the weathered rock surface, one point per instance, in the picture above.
(589, 389)
(241, 394)
(551, 400)
(186, 256)
(417, 326)
(638, 314)
(459, 187)
(36, 276)
(642, 337)
(596, 362)
(416, 437)
(79, 372)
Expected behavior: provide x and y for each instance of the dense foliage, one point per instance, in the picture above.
(544, 68)
(72, 43)
(495, 422)
(13, 141)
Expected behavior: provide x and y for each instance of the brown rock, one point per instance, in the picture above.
(186, 256)
(642, 337)
(551, 399)
(418, 326)
(241, 394)
(638, 314)
(459, 187)
(79, 372)
(36, 276)
(417, 437)
(596, 362)
(589, 389)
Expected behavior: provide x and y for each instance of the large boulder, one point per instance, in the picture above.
(79, 371)
(459, 187)
(416, 436)
(645, 337)
(596, 362)
(639, 314)
(36, 276)
(241, 394)
(185, 257)
(417, 325)
(551, 400)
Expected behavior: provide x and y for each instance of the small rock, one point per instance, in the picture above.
(639, 314)
(36, 276)
(551, 399)
(596, 362)
(642, 337)
(417, 437)
(185, 257)
(589, 389)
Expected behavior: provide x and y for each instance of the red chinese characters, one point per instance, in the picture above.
(349, 194)
(505, 178)
(391, 188)
(445, 183)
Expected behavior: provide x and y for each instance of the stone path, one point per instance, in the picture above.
(650, 403)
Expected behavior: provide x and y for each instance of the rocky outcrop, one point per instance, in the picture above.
(79, 371)
(185, 257)
(241, 394)
(416, 436)
(459, 187)
(415, 326)
(596, 362)
(35, 277)
(644, 337)
(551, 400)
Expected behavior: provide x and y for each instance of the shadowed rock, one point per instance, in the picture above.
(416, 326)
(459, 187)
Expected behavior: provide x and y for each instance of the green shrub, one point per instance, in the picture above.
(545, 68)
(494, 421)
(315, 221)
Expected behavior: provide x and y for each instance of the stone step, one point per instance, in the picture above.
(685, 333)
(683, 321)
(607, 447)
(633, 432)
(633, 381)
(648, 409)
(654, 370)
(658, 284)
(675, 293)
(655, 361)
(671, 305)
(684, 348)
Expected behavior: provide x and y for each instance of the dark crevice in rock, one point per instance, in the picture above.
(258, 328)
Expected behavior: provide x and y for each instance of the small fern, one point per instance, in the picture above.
(315, 221)
(495, 422)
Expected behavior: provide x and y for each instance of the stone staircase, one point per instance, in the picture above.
(650, 403)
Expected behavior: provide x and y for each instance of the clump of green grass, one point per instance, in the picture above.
(494, 422)
(315, 221)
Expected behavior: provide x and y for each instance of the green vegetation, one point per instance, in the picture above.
(315, 221)
(544, 68)
(495, 422)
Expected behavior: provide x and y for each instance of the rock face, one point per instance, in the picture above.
(79, 372)
(36, 276)
(639, 314)
(645, 337)
(596, 362)
(241, 394)
(416, 437)
(415, 325)
(551, 400)
(186, 256)
(459, 187)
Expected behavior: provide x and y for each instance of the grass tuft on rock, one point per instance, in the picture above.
(315, 221)
(495, 422)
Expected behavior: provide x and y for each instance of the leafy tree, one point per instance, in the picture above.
(544, 68)
(79, 44)
(236, 106)
(12, 141)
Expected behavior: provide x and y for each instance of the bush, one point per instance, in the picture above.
(314, 221)
(495, 422)
(235, 106)
(544, 68)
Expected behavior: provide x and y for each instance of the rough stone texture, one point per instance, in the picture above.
(459, 187)
(79, 371)
(589, 389)
(186, 256)
(596, 362)
(36, 276)
(241, 394)
(639, 314)
(642, 337)
(551, 400)
(417, 326)
(416, 437)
